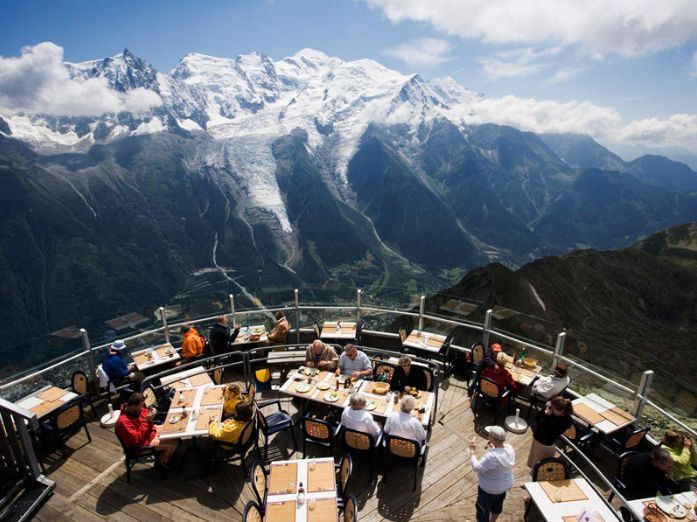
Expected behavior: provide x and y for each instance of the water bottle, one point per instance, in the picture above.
(523, 355)
(301, 494)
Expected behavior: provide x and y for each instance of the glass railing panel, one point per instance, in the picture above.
(677, 397)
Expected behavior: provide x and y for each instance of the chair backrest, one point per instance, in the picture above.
(445, 348)
(550, 468)
(403, 334)
(218, 376)
(149, 396)
(357, 440)
(622, 461)
(478, 353)
(79, 382)
(359, 329)
(384, 368)
(635, 438)
(263, 425)
(351, 509)
(318, 332)
(258, 478)
(345, 470)
(428, 376)
(403, 448)
(252, 512)
(316, 429)
(69, 419)
(250, 392)
(489, 388)
(571, 432)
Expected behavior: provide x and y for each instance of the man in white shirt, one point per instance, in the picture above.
(495, 471)
(354, 363)
(553, 385)
(402, 424)
(356, 418)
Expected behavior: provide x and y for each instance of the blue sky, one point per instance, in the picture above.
(615, 61)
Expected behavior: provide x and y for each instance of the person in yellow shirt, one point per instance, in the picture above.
(230, 430)
(233, 395)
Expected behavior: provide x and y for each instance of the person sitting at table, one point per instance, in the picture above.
(220, 336)
(231, 429)
(136, 429)
(646, 474)
(117, 369)
(500, 374)
(193, 342)
(552, 385)
(355, 417)
(405, 377)
(319, 355)
(495, 473)
(549, 424)
(233, 396)
(684, 454)
(402, 424)
(279, 333)
(354, 363)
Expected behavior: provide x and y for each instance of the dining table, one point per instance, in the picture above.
(46, 400)
(191, 378)
(192, 410)
(687, 500)
(342, 330)
(316, 476)
(601, 413)
(426, 341)
(570, 500)
(155, 356)
(251, 334)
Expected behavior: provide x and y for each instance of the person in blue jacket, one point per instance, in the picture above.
(117, 369)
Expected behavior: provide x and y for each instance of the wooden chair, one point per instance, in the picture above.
(383, 371)
(318, 432)
(351, 509)
(66, 422)
(252, 512)
(259, 479)
(492, 394)
(403, 335)
(478, 353)
(274, 423)
(362, 443)
(404, 450)
(344, 470)
(227, 451)
(545, 470)
(139, 454)
(79, 384)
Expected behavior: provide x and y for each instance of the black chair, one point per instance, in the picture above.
(318, 331)
(79, 384)
(582, 436)
(274, 423)
(383, 371)
(226, 451)
(358, 442)
(252, 512)
(403, 335)
(318, 432)
(139, 454)
(404, 450)
(443, 355)
(629, 439)
(619, 479)
(66, 422)
(492, 394)
(259, 479)
(351, 509)
(545, 470)
(359, 329)
(344, 470)
(429, 377)
(478, 353)
(218, 374)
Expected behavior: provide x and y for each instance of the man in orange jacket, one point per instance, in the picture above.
(193, 343)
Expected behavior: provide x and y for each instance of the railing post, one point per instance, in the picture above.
(88, 353)
(559, 348)
(422, 306)
(642, 393)
(232, 309)
(163, 317)
(297, 317)
(358, 305)
(487, 328)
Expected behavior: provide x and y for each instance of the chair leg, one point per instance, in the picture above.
(128, 471)
(416, 472)
(89, 437)
(295, 443)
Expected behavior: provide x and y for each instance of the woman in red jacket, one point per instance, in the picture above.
(135, 428)
(499, 374)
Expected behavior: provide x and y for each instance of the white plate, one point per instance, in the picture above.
(370, 405)
(330, 398)
(671, 507)
(174, 420)
(302, 388)
(323, 385)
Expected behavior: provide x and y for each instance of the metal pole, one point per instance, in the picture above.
(422, 305)
(88, 353)
(358, 305)
(487, 328)
(297, 317)
(232, 308)
(642, 393)
(163, 316)
(559, 347)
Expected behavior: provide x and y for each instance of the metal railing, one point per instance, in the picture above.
(362, 312)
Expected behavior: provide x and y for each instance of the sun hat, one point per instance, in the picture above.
(496, 432)
(118, 345)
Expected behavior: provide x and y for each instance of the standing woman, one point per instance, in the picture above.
(550, 424)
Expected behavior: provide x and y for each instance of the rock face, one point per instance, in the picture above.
(255, 176)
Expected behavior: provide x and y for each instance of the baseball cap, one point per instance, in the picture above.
(496, 347)
(117, 346)
(497, 432)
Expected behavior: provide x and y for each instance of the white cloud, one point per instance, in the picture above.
(516, 63)
(38, 82)
(678, 130)
(625, 27)
(565, 74)
(421, 52)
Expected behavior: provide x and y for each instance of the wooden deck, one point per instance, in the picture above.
(91, 482)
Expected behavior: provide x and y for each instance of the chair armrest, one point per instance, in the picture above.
(378, 439)
(269, 402)
(337, 430)
(505, 394)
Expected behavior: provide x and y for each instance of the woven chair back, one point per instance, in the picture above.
(403, 334)
(149, 396)
(259, 478)
(80, 383)
(253, 514)
(68, 417)
(490, 389)
(250, 392)
(218, 376)
(428, 375)
(403, 448)
(317, 430)
(635, 439)
(356, 440)
(571, 432)
(247, 432)
(550, 471)
(317, 331)
(350, 510)
(477, 353)
(345, 471)
(384, 369)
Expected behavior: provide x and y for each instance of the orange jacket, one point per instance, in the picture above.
(193, 344)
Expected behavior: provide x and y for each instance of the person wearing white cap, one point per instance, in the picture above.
(495, 471)
(116, 368)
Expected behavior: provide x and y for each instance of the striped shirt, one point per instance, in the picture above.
(359, 364)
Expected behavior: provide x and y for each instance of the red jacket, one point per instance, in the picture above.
(135, 431)
(500, 376)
